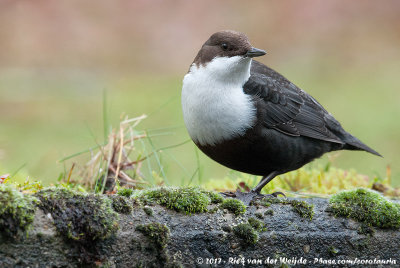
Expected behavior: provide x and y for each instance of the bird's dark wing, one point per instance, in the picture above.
(288, 109)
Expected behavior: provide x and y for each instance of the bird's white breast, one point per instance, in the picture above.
(215, 108)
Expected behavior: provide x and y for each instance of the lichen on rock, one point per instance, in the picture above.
(366, 206)
(17, 210)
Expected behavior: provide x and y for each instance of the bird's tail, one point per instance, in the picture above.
(352, 143)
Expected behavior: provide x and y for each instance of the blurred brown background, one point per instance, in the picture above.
(153, 36)
(56, 58)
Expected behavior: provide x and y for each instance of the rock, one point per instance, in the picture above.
(206, 239)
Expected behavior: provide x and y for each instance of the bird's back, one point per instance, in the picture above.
(284, 107)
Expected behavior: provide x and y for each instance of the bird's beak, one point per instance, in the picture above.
(255, 52)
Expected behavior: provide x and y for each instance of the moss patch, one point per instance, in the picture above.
(79, 216)
(246, 233)
(187, 199)
(259, 215)
(127, 192)
(257, 225)
(148, 210)
(121, 204)
(17, 210)
(214, 197)
(366, 206)
(269, 212)
(302, 208)
(234, 205)
(158, 233)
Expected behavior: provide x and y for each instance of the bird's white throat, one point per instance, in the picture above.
(215, 108)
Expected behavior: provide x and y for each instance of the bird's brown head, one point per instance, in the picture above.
(226, 44)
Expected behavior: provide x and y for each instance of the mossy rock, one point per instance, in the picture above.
(187, 199)
(257, 225)
(121, 204)
(17, 210)
(127, 192)
(156, 232)
(366, 206)
(302, 208)
(79, 216)
(246, 233)
(214, 197)
(148, 210)
(234, 205)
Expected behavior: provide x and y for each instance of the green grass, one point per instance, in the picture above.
(45, 118)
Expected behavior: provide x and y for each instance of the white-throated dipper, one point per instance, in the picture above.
(249, 118)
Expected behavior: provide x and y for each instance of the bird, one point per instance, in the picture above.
(249, 118)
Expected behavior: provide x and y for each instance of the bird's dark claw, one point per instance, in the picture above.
(228, 194)
(275, 194)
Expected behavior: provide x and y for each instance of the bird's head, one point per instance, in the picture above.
(228, 51)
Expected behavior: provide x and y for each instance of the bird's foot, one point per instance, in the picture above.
(248, 197)
(274, 195)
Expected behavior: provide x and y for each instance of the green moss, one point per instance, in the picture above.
(234, 205)
(79, 216)
(333, 251)
(30, 186)
(246, 232)
(186, 199)
(213, 210)
(366, 206)
(267, 202)
(214, 196)
(158, 233)
(257, 225)
(127, 192)
(148, 210)
(302, 208)
(57, 193)
(259, 215)
(17, 210)
(322, 179)
(269, 212)
(121, 204)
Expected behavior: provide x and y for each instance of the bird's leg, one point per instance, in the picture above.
(255, 193)
(264, 181)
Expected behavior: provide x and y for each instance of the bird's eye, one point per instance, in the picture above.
(224, 46)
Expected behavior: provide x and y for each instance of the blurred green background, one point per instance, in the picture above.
(58, 57)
